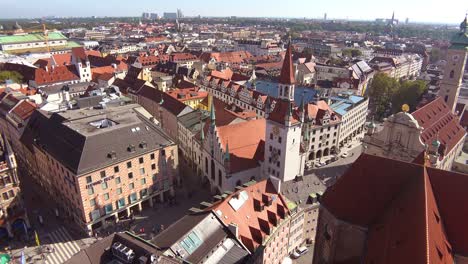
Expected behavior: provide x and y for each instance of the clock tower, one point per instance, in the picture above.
(456, 60)
(283, 129)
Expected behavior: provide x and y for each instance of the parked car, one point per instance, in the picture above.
(295, 255)
(318, 165)
(302, 250)
(344, 155)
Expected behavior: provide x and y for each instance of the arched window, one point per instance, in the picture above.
(452, 73)
(212, 169)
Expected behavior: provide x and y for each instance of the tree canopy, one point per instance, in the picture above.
(387, 94)
(10, 75)
(351, 53)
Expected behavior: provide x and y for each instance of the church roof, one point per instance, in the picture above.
(412, 212)
(439, 123)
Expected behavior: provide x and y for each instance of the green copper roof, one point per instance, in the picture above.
(69, 46)
(291, 205)
(460, 39)
(32, 37)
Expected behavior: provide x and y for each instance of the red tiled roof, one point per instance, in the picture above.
(94, 53)
(24, 109)
(187, 94)
(228, 57)
(171, 104)
(226, 74)
(55, 75)
(281, 110)
(253, 223)
(438, 121)
(244, 141)
(79, 53)
(287, 71)
(62, 59)
(177, 57)
(413, 212)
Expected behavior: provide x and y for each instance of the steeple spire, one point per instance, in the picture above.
(287, 71)
(212, 113)
(464, 25)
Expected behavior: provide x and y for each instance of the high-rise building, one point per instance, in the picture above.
(179, 13)
(168, 15)
(145, 15)
(456, 60)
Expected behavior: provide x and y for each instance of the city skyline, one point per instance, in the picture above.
(429, 11)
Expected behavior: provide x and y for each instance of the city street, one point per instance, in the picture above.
(60, 240)
(330, 173)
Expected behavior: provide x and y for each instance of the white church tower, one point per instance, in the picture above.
(283, 129)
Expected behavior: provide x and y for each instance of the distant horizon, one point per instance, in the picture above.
(418, 11)
(51, 17)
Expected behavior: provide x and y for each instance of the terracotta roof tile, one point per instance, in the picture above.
(55, 75)
(248, 218)
(412, 211)
(438, 121)
(244, 141)
(24, 109)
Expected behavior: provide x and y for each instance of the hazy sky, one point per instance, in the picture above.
(447, 11)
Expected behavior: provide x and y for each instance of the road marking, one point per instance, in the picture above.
(63, 245)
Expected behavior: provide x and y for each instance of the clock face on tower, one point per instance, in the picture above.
(276, 130)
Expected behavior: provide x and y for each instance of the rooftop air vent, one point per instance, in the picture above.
(123, 253)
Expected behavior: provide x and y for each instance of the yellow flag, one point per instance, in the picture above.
(37, 239)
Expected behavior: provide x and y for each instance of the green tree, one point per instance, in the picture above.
(351, 53)
(10, 75)
(410, 93)
(381, 92)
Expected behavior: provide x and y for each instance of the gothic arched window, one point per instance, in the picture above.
(452, 73)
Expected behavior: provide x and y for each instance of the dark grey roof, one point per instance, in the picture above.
(89, 101)
(99, 252)
(71, 139)
(191, 121)
(175, 231)
(72, 88)
(298, 191)
(235, 255)
(207, 245)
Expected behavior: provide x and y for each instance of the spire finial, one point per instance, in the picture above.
(212, 112)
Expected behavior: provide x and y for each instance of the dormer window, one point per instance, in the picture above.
(143, 145)
(112, 155)
(131, 148)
